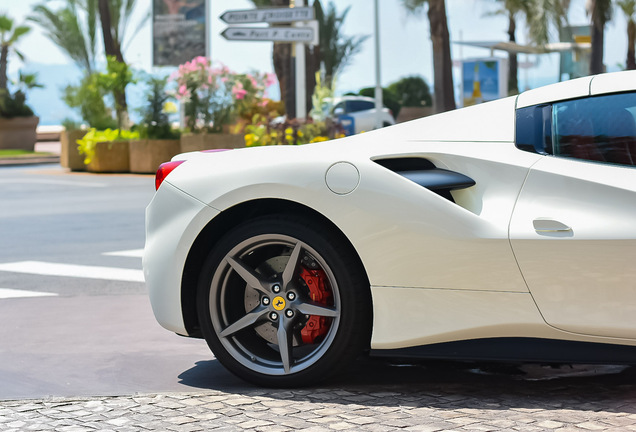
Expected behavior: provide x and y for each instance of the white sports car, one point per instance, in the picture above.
(501, 231)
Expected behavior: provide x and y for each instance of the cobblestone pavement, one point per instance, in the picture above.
(372, 398)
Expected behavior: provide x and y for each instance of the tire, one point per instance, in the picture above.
(255, 302)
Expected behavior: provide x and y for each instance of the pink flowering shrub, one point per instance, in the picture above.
(251, 95)
(207, 92)
(215, 96)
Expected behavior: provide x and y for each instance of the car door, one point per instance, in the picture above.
(364, 114)
(573, 230)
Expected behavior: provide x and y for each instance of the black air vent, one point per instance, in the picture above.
(426, 174)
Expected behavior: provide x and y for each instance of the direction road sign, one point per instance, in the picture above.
(269, 34)
(269, 15)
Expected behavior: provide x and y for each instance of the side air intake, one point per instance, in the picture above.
(424, 173)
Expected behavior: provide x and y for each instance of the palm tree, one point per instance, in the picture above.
(601, 12)
(9, 35)
(115, 16)
(336, 50)
(629, 9)
(72, 28)
(538, 16)
(281, 57)
(442, 66)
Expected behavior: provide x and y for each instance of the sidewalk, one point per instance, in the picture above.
(432, 408)
(52, 148)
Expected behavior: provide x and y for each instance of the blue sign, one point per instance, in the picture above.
(348, 123)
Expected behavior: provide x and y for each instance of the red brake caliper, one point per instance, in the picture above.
(317, 326)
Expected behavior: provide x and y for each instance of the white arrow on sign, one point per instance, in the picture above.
(270, 15)
(269, 34)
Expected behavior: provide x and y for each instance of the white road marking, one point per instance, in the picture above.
(6, 293)
(134, 253)
(70, 270)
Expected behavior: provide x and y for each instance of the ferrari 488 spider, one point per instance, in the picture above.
(501, 231)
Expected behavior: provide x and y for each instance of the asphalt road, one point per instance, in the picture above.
(74, 315)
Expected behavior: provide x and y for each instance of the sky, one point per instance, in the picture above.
(405, 46)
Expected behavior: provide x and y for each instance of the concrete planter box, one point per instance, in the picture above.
(146, 155)
(70, 157)
(18, 133)
(198, 142)
(110, 157)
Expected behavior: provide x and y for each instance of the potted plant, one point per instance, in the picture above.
(88, 99)
(158, 142)
(17, 122)
(107, 151)
(208, 96)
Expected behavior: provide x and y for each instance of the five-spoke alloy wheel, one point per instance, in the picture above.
(282, 303)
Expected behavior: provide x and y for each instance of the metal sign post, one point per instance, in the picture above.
(304, 31)
(301, 66)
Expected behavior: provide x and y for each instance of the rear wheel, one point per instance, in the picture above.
(282, 303)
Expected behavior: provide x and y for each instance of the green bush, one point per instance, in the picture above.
(389, 99)
(412, 91)
(88, 99)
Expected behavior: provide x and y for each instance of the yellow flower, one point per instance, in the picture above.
(300, 134)
(289, 138)
(319, 139)
(249, 140)
(289, 131)
(170, 108)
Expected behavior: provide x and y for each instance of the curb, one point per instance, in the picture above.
(18, 161)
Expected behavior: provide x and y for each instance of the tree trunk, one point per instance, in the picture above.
(112, 48)
(284, 72)
(598, 35)
(442, 66)
(513, 64)
(312, 66)
(4, 54)
(281, 57)
(631, 42)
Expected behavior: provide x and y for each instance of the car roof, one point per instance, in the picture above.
(586, 86)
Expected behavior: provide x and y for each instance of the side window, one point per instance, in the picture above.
(601, 128)
(533, 129)
(357, 105)
(340, 109)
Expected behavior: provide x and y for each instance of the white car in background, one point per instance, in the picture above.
(502, 231)
(360, 108)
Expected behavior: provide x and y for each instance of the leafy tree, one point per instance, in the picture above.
(9, 35)
(538, 16)
(442, 66)
(88, 98)
(73, 28)
(336, 50)
(412, 91)
(389, 98)
(601, 13)
(629, 9)
(155, 123)
(14, 105)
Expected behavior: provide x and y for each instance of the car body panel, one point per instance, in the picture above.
(586, 269)
(560, 91)
(173, 220)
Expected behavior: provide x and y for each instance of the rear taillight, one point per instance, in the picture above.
(163, 171)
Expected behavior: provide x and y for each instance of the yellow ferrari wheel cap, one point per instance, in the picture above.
(278, 303)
